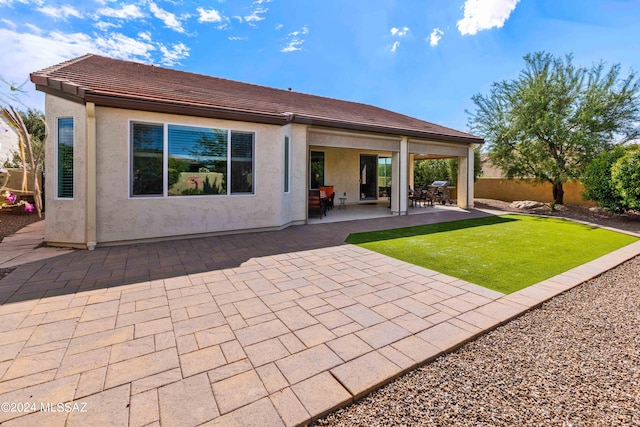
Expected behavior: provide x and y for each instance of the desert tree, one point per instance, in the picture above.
(29, 136)
(548, 123)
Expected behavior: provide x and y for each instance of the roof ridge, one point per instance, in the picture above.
(63, 64)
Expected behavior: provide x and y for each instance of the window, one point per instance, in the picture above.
(147, 159)
(317, 169)
(196, 161)
(286, 164)
(64, 152)
(241, 162)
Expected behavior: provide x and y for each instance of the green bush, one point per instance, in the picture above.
(597, 181)
(625, 175)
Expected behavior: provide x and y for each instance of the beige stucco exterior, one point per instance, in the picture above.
(103, 212)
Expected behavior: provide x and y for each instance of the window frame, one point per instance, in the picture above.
(287, 164)
(56, 156)
(130, 160)
(165, 160)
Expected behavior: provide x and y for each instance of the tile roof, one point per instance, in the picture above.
(125, 84)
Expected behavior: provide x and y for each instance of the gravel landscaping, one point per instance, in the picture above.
(575, 361)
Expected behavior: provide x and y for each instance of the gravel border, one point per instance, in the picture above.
(574, 361)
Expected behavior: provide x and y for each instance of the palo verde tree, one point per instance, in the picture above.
(552, 120)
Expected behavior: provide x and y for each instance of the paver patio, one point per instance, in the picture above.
(273, 328)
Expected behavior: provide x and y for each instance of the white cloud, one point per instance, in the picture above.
(105, 26)
(255, 16)
(34, 28)
(173, 55)
(168, 18)
(210, 15)
(435, 37)
(399, 32)
(294, 42)
(58, 12)
(129, 11)
(8, 23)
(145, 35)
(235, 38)
(485, 14)
(279, 27)
(394, 48)
(261, 1)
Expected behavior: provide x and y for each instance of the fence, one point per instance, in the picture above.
(509, 190)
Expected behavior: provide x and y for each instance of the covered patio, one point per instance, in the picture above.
(371, 174)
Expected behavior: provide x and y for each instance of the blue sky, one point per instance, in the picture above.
(421, 58)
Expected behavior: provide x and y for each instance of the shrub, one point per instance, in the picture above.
(625, 176)
(598, 185)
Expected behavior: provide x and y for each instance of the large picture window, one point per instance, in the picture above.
(64, 161)
(198, 161)
(147, 142)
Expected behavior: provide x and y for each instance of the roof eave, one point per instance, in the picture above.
(362, 127)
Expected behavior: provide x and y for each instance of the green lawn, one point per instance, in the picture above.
(505, 253)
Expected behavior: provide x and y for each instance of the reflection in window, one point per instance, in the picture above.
(146, 163)
(197, 163)
(65, 158)
(241, 162)
(317, 169)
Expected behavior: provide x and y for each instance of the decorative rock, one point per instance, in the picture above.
(526, 204)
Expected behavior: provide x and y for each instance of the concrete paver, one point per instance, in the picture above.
(273, 328)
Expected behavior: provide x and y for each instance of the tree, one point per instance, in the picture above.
(35, 124)
(26, 143)
(552, 120)
(427, 171)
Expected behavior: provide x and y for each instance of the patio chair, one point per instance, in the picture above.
(428, 195)
(414, 196)
(331, 195)
(315, 207)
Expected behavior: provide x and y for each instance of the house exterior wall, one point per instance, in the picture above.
(66, 220)
(121, 217)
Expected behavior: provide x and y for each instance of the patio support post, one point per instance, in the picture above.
(411, 162)
(90, 208)
(465, 180)
(399, 193)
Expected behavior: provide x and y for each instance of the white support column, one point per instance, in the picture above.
(403, 184)
(395, 183)
(470, 177)
(90, 209)
(411, 162)
(465, 180)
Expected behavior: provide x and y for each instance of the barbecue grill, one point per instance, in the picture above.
(441, 191)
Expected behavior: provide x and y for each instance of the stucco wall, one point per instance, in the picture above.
(120, 217)
(65, 218)
(515, 189)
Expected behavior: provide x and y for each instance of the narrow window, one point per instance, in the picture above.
(241, 162)
(65, 158)
(286, 164)
(197, 161)
(317, 169)
(147, 159)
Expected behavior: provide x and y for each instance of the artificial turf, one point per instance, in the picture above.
(505, 253)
